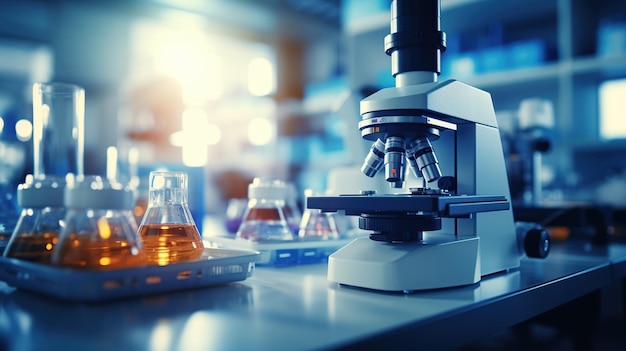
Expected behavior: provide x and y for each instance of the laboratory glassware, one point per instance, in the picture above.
(58, 144)
(265, 217)
(41, 219)
(58, 129)
(315, 224)
(168, 231)
(293, 215)
(100, 230)
(8, 214)
(235, 209)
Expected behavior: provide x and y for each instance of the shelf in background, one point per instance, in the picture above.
(599, 66)
(608, 65)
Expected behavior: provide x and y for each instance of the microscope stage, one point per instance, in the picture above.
(442, 205)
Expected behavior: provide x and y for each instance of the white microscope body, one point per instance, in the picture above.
(468, 244)
(447, 233)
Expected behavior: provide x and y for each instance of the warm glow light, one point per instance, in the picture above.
(260, 131)
(195, 155)
(177, 139)
(260, 76)
(105, 261)
(139, 211)
(111, 168)
(197, 133)
(23, 130)
(161, 337)
(103, 228)
(612, 107)
(163, 259)
(186, 55)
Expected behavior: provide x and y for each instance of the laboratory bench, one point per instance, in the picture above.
(297, 308)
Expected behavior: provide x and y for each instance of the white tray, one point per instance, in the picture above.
(284, 253)
(216, 266)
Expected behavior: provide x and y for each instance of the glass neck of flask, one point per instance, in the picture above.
(167, 196)
(266, 203)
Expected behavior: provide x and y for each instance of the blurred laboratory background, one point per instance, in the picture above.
(230, 90)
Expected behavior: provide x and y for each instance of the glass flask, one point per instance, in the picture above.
(317, 225)
(293, 215)
(235, 210)
(265, 217)
(168, 231)
(41, 220)
(8, 214)
(100, 230)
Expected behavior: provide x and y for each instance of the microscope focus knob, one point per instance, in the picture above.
(447, 183)
(537, 243)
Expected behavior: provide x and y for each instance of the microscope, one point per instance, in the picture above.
(456, 228)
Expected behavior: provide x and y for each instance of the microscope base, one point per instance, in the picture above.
(429, 264)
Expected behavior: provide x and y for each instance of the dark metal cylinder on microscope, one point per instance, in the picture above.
(416, 41)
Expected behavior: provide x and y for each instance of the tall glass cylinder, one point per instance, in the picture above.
(58, 129)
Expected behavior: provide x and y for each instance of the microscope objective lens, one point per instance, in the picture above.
(425, 158)
(394, 161)
(374, 159)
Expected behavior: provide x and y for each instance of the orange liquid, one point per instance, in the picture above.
(33, 248)
(82, 252)
(171, 243)
(263, 214)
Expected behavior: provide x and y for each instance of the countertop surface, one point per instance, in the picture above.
(298, 308)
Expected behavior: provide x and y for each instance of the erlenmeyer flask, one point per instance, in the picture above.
(168, 231)
(265, 217)
(41, 220)
(317, 225)
(293, 215)
(100, 230)
(9, 214)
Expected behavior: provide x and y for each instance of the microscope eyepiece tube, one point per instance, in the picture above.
(424, 156)
(415, 41)
(374, 159)
(394, 161)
